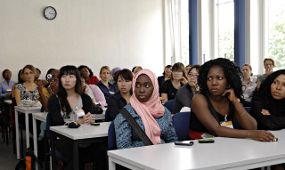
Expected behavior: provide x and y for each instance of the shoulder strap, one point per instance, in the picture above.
(138, 130)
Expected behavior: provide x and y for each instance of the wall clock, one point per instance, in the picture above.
(49, 13)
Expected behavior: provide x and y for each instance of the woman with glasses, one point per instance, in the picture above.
(184, 94)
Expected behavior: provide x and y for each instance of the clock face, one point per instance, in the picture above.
(50, 13)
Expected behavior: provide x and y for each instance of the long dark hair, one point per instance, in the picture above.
(89, 69)
(232, 73)
(265, 87)
(68, 70)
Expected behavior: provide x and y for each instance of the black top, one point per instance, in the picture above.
(54, 109)
(276, 120)
(115, 104)
(196, 125)
(169, 89)
(183, 98)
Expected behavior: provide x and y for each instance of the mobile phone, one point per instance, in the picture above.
(95, 124)
(206, 140)
(184, 143)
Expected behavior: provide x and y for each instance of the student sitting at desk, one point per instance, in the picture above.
(268, 104)
(217, 110)
(70, 104)
(145, 107)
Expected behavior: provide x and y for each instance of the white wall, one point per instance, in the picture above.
(92, 32)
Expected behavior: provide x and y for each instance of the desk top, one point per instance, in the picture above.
(28, 109)
(84, 131)
(40, 116)
(225, 153)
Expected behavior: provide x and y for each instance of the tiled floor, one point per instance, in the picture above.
(8, 159)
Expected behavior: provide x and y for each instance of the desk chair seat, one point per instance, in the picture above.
(112, 137)
(169, 105)
(181, 124)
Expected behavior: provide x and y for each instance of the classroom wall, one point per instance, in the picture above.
(92, 32)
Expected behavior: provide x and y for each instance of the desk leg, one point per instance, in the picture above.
(75, 155)
(27, 130)
(35, 137)
(17, 134)
(112, 165)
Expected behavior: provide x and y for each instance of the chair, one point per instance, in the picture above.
(181, 124)
(169, 105)
(111, 137)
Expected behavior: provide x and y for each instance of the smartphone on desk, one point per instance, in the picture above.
(184, 143)
(206, 140)
(95, 124)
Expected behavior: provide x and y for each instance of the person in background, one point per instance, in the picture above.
(6, 85)
(217, 109)
(122, 97)
(248, 84)
(104, 84)
(184, 95)
(269, 64)
(166, 75)
(47, 90)
(145, 107)
(136, 69)
(88, 75)
(268, 105)
(170, 87)
(114, 73)
(187, 68)
(28, 90)
(70, 104)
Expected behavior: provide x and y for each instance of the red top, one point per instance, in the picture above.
(93, 80)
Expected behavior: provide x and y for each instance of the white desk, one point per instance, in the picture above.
(26, 111)
(225, 153)
(85, 133)
(41, 116)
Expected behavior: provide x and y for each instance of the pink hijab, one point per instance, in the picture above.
(150, 109)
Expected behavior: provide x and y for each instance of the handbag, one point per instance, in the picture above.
(137, 129)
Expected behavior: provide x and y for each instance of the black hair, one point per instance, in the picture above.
(68, 70)
(167, 66)
(232, 74)
(4, 71)
(49, 72)
(125, 73)
(265, 87)
(89, 69)
(197, 67)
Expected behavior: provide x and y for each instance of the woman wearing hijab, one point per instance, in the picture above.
(145, 107)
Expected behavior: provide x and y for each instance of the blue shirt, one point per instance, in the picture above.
(125, 137)
(4, 86)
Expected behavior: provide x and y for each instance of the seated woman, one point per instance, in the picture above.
(70, 104)
(170, 87)
(184, 95)
(28, 90)
(88, 75)
(104, 84)
(166, 75)
(217, 110)
(145, 107)
(6, 85)
(268, 104)
(120, 99)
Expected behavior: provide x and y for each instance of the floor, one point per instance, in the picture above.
(8, 159)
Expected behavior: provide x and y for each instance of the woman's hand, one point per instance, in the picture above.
(230, 94)
(265, 112)
(261, 135)
(87, 118)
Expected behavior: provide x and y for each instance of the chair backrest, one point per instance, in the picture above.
(112, 137)
(181, 124)
(169, 104)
